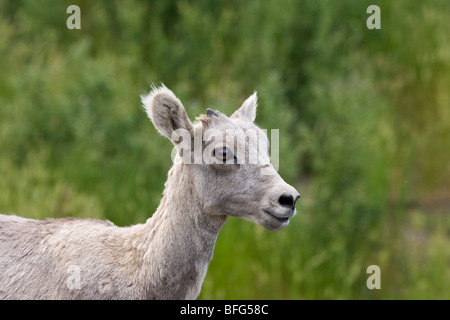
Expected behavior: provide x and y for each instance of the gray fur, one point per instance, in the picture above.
(165, 258)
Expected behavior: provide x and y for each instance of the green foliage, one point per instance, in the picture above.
(363, 118)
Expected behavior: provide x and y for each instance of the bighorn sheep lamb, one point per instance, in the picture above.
(167, 257)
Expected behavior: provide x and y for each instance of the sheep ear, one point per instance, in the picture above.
(248, 109)
(166, 111)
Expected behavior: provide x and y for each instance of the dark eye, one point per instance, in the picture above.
(223, 154)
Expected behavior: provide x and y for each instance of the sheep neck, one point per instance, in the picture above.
(180, 238)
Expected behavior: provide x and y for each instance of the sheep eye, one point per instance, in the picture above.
(223, 154)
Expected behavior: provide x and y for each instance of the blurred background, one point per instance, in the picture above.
(364, 120)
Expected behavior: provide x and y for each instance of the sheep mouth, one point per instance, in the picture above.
(281, 220)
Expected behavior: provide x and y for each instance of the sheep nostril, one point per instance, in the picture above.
(296, 198)
(287, 201)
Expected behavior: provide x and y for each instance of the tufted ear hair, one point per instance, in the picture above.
(248, 109)
(166, 111)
